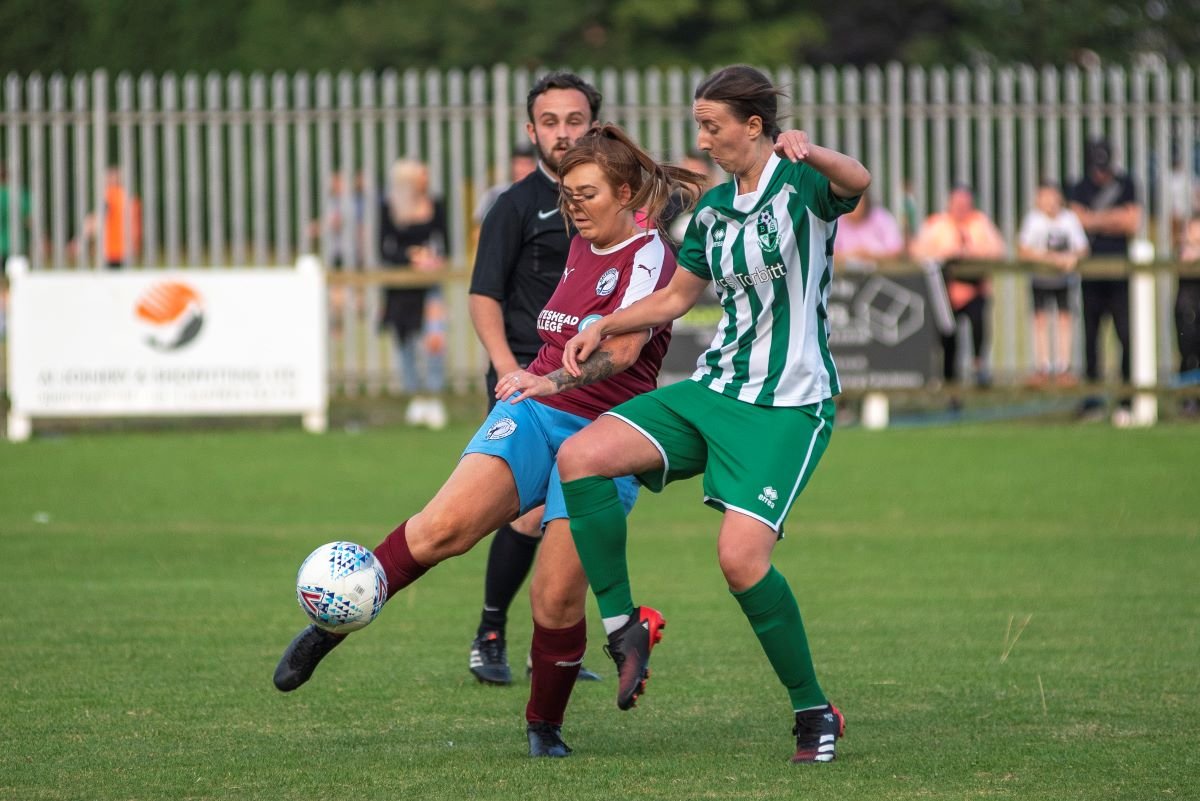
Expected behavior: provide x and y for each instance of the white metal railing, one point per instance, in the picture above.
(234, 169)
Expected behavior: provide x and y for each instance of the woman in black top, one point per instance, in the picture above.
(412, 233)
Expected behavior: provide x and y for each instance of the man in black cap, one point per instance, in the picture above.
(1107, 205)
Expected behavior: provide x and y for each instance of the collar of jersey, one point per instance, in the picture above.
(748, 201)
(545, 173)
(619, 245)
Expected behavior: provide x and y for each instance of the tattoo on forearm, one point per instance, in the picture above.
(597, 368)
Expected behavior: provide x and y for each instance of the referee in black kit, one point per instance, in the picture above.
(522, 253)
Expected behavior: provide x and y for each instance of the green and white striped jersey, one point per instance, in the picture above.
(770, 254)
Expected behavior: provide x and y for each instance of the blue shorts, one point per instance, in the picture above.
(527, 436)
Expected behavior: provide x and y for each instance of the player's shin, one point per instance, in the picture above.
(556, 655)
(598, 529)
(397, 560)
(774, 615)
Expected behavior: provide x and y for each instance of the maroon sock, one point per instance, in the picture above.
(556, 655)
(397, 561)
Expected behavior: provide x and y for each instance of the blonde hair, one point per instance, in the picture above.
(407, 202)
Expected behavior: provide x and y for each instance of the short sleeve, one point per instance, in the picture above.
(1079, 238)
(692, 253)
(1028, 234)
(820, 196)
(1128, 192)
(499, 248)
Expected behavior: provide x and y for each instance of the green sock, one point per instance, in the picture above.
(775, 618)
(598, 528)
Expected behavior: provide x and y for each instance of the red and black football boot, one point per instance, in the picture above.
(817, 732)
(629, 646)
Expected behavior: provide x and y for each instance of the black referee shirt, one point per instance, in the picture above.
(523, 247)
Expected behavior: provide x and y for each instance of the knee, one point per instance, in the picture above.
(574, 461)
(742, 568)
(439, 534)
(557, 604)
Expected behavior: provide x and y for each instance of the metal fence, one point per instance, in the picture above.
(234, 169)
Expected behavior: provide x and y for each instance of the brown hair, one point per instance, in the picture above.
(747, 92)
(623, 162)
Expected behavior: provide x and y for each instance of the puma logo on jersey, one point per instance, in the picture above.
(567, 272)
(649, 270)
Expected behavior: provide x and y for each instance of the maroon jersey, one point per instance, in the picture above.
(596, 283)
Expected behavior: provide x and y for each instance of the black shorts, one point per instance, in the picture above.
(1042, 298)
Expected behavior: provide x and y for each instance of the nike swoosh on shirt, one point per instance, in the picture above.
(545, 215)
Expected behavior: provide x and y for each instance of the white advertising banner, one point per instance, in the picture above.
(167, 342)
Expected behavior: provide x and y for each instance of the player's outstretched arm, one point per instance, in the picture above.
(616, 355)
(657, 308)
(847, 176)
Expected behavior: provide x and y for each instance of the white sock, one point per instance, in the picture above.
(611, 624)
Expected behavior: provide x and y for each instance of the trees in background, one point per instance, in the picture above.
(148, 35)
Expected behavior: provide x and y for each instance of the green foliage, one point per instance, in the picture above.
(1002, 612)
(143, 35)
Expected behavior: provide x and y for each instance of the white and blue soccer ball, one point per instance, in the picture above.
(341, 586)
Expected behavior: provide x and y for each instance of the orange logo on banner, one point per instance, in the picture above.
(174, 311)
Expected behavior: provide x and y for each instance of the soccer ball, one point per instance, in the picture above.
(341, 587)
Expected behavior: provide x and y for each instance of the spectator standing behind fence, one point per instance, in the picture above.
(1107, 205)
(1187, 315)
(412, 234)
(7, 201)
(867, 235)
(329, 231)
(961, 232)
(521, 162)
(1052, 235)
(119, 205)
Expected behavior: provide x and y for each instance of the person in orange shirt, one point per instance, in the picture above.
(118, 205)
(961, 232)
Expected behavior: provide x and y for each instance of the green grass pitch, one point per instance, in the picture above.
(1002, 611)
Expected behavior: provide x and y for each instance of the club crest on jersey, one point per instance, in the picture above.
(501, 428)
(607, 282)
(768, 230)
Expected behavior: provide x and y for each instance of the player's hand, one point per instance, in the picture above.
(792, 145)
(522, 384)
(579, 348)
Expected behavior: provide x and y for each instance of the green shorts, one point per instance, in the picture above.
(755, 459)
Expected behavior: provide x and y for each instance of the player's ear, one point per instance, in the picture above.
(529, 131)
(624, 194)
(754, 126)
